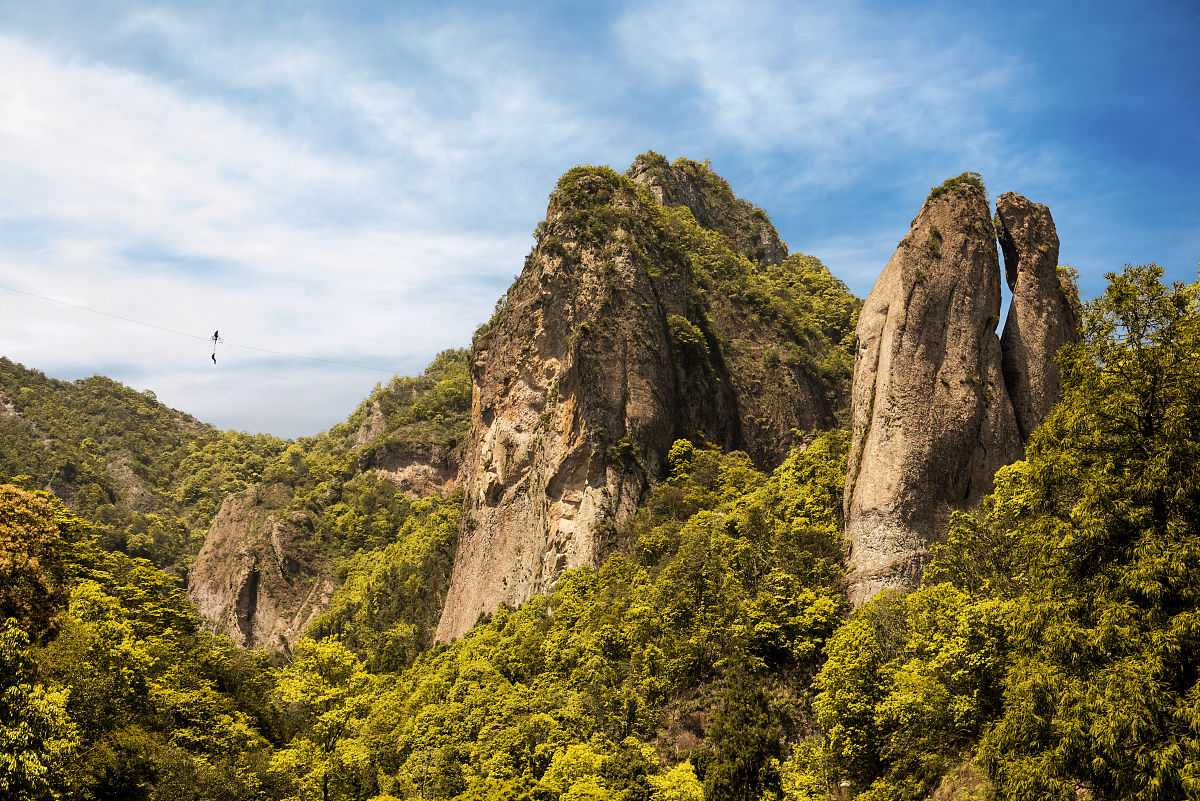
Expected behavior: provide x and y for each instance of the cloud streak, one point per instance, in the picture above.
(359, 183)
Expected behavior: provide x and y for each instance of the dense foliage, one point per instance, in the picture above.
(130, 699)
(725, 573)
(1057, 637)
(389, 597)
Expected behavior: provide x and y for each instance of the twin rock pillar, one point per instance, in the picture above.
(939, 402)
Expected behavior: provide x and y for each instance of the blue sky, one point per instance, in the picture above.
(358, 182)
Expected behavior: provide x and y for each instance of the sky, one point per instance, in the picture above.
(357, 182)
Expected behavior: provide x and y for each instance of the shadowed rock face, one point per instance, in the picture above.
(248, 581)
(1040, 319)
(608, 348)
(932, 420)
(580, 387)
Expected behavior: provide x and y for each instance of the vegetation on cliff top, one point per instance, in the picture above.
(782, 330)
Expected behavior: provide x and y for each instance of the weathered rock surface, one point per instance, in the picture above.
(131, 489)
(578, 395)
(1040, 319)
(250, 580)
(932, 420)
(608, 348)
(712, 203)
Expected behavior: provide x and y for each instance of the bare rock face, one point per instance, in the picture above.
(932, 420)
(1040, 319)
(249, 580)
(610, 345)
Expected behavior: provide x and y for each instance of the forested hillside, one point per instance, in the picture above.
(277, 550)
(151, 477)
(1051, 651)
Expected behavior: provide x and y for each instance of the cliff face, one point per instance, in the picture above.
(580, 386)
(612, 343)
(932, 420)
(1040, 319)
(249, 579)
(937, 404)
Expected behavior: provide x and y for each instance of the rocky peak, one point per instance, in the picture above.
(579, 389)
(931, 416)
(1041, 318)
(712, 202)
(614, 341)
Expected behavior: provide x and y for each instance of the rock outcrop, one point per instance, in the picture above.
(932, 420)
(613, 342)
(250, 580)
(265, 570)
(580, 384)
(1041, 318)
(712, 202)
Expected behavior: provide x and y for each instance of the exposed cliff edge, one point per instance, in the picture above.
(630, 326)
(932, 408)
(1041, 318)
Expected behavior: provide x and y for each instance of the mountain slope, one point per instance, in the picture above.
(151, 476)
(632, 326)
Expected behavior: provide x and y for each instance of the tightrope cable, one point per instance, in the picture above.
(195, 336)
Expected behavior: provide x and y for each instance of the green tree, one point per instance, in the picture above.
(36, 735)
(32, 580)
(326, 686)
(1103, 693)
(678, 784)
(744, 735)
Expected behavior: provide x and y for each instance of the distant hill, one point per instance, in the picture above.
(151, 476)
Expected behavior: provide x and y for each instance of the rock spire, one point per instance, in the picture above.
(1041, 318)
(931, 415)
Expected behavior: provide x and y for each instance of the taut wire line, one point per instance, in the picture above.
(196, 336)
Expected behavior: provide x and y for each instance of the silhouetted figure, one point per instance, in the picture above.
(215, 338)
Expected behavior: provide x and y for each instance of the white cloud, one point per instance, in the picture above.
(842, 88)
(183, 210)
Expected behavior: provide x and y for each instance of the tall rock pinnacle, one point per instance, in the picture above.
(596, 363)
(656, 306)
(932, 420)
(1040, 319)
